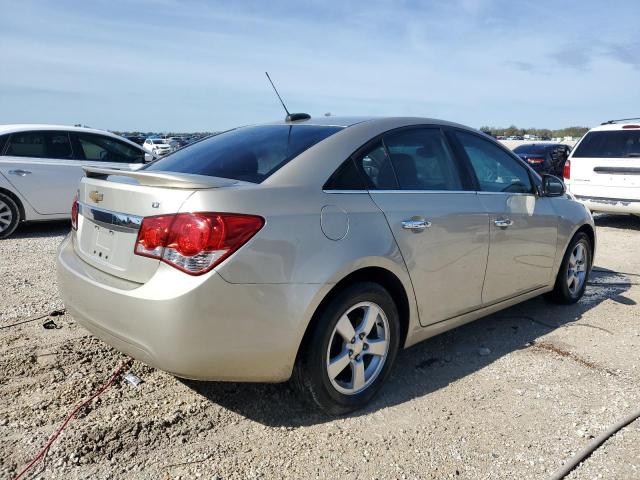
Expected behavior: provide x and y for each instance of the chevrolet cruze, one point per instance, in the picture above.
(313, 250)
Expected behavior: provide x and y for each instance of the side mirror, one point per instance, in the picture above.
(148, 157)
(552, 186)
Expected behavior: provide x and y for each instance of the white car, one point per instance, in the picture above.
(603, 170)
(157, 146)
(41, 168)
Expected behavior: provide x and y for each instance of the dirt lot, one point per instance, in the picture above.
(553, 378)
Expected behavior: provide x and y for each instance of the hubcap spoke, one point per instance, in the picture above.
(370, 319)
(377, 347)
(358, 375)
(338, 364)
(345, 329)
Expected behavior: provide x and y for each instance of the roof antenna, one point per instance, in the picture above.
(291, 117)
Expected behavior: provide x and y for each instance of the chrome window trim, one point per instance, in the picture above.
(342, 192)
(122, 222)
(425, 191)
(480, 192)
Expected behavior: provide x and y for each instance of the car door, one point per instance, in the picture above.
(41, 167)
(103, 151)
(436, 218)
(523, 227)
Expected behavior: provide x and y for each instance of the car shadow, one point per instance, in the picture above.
(432, 364)
(624, 222)
(49, 228)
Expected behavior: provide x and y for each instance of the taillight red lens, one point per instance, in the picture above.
(566, 170)
(631, 126)
(74, 212)
(195, 242)
(535, 160)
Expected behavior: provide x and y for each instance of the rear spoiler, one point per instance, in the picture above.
(160, 179)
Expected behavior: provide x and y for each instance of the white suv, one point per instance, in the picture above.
(41, 167)
(603, 170)
(157, 146)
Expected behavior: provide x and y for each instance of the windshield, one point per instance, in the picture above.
(610, 144)
(158, 142)
(249, 153)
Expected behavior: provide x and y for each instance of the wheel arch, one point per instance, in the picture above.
(17, 200)
(382, 277)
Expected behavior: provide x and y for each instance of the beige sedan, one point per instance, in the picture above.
(313, 250)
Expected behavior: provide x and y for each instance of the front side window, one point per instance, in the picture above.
(421, 160)
(609, 144)
(26, 144)
(100, 148)
(250, 154)
(495, 169)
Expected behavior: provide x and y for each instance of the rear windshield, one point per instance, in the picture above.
(250, 154)
(537, 149)
(610, 144)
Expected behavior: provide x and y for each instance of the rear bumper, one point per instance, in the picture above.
(610, 205)
(193, 327)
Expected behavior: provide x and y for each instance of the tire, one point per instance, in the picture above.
(565, 291)
(9, 216)
(344, 392)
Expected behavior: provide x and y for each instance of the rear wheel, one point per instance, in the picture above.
(574, 270)
(9, 215)
(351, 349)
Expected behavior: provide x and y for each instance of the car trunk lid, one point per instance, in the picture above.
(112, 205)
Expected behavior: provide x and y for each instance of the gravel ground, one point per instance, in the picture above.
(509, 396)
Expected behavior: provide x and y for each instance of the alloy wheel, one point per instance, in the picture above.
(6, 216)
(577, 268)
(358, 348)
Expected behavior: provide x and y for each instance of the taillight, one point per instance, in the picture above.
(566, 170)
(74, 212)
(195, 242)
(535, 160)
(631, 126)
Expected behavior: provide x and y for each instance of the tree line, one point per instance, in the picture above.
(576, 132)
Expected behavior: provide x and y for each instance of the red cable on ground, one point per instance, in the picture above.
(70, 416)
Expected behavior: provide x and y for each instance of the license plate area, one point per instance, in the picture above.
(104, 241)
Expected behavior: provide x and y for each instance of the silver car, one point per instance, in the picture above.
(41, 165)
(313, 250)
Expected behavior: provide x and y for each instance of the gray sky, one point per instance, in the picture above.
(199, 65)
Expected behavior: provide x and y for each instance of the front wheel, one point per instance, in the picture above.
(351, 349)
(574, 270)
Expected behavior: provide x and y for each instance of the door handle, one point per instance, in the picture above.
(20, 173)
(415, 224)
(503, 222)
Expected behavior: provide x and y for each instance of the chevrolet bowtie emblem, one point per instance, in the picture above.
(96, 196)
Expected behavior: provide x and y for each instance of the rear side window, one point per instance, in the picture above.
(26, 144)
(250, 154)
(59, 145)
(496, 170)
(421, 160)
(609, 144)
(100, 148)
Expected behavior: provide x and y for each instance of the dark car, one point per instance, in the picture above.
(135, 139)
(544, 157)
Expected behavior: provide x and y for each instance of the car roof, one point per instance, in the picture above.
(614, 126)
(22, 127)
(348, 121)
(541, 145)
